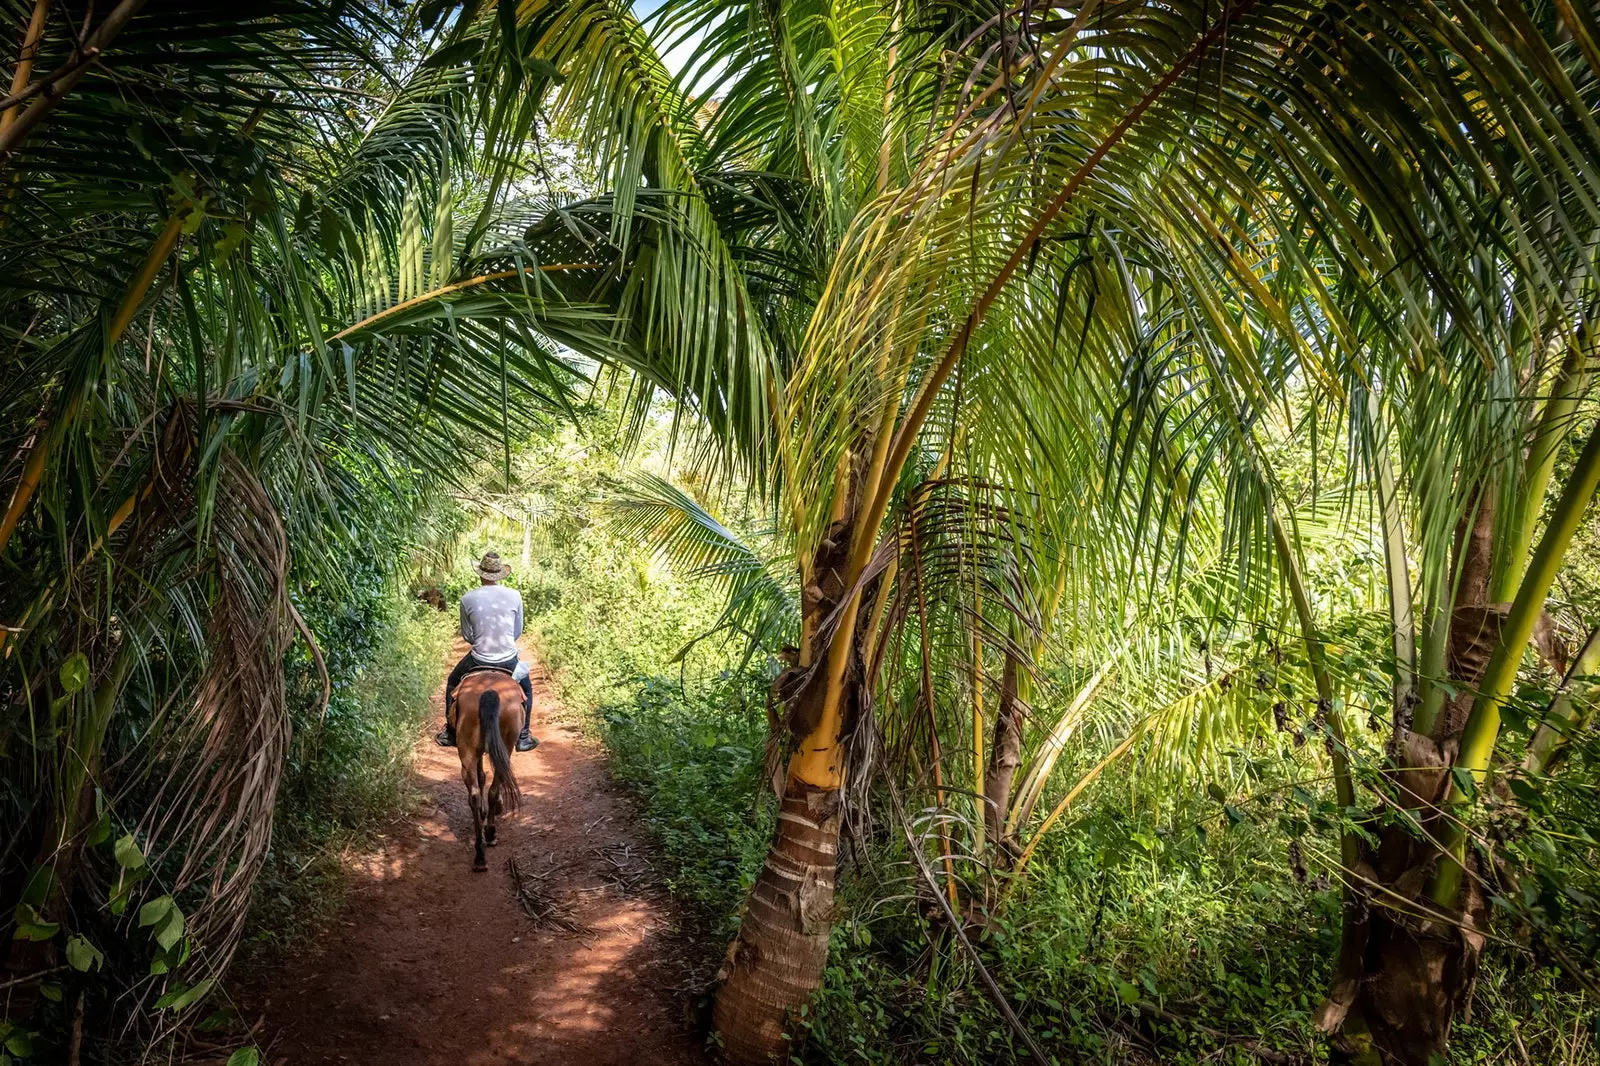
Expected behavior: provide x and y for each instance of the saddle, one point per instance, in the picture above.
(493, 668)
(509, 669)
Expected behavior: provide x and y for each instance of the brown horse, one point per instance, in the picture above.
(492, 730)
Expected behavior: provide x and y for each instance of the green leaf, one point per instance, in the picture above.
(454, 54)
(40, 887)
(171, 930)
(1235, 815)
(101, 831)
(82, 955)
(245, 1056)
(1215, 791)
(170, 959)
(36, 930)
(506, 11)
(433, 12)
(1464, 781)
(541, 68)
(122, 895)
(75, 672)
(128, 853)
(1127, 992)
(182, 997)
(1526, 792)
(52, 992)
(155, 911)
(20, 1043)
(216, 1020)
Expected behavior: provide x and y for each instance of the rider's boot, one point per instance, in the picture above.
(526, 741)
(446, 737)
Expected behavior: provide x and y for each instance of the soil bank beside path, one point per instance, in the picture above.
(434, 965)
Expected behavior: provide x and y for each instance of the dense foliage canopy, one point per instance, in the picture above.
(1189, 383)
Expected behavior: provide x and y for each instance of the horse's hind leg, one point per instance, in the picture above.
(494, 812)
(475, 800)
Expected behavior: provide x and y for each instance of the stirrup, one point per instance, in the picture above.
(526, 741)
(446, 738)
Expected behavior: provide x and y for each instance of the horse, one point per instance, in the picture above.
(491, 731)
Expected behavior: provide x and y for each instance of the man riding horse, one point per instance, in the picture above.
(491, 621)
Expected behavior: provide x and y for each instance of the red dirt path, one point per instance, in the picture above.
(434, 965)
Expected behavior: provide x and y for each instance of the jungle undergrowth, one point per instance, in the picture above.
(349, 773)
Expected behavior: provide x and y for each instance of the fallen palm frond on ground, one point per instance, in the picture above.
(533, 893)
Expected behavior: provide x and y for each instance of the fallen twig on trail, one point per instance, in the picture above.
(624, 875)
(536, 901)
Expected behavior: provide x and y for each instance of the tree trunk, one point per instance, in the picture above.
(776, 962)
(777, 959)
(1406, 966)
(1004, 756)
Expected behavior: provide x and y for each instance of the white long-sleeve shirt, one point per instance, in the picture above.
(491, 621)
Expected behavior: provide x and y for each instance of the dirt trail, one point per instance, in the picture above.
(431, 963)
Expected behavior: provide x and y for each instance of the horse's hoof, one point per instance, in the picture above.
(489, 838)
(480, 867)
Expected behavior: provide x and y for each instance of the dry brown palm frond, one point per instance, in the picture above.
(223, 756)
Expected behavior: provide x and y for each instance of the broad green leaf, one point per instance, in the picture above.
(155, 911)
(122, 895)
(41, 886)
(540, 68)
(455, 54)
(101, 831)
(1464, 781)
(170, 931)
(216, 1019)
(245, 1056)
(1526, 792)
(182, 997)
(36, 930)
(75, 672)
(128, 853)
(82, 955)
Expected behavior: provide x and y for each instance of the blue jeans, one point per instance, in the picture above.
(471, 662)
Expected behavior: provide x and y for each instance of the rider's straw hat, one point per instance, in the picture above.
(490, 568)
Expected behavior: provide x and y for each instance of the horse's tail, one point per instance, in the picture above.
(495, 745)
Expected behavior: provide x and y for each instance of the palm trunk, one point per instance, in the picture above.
(1421, 935)
(1004, 756)
(1406, 968)
(777, 960)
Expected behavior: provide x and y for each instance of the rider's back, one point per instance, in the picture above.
(491, 621)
